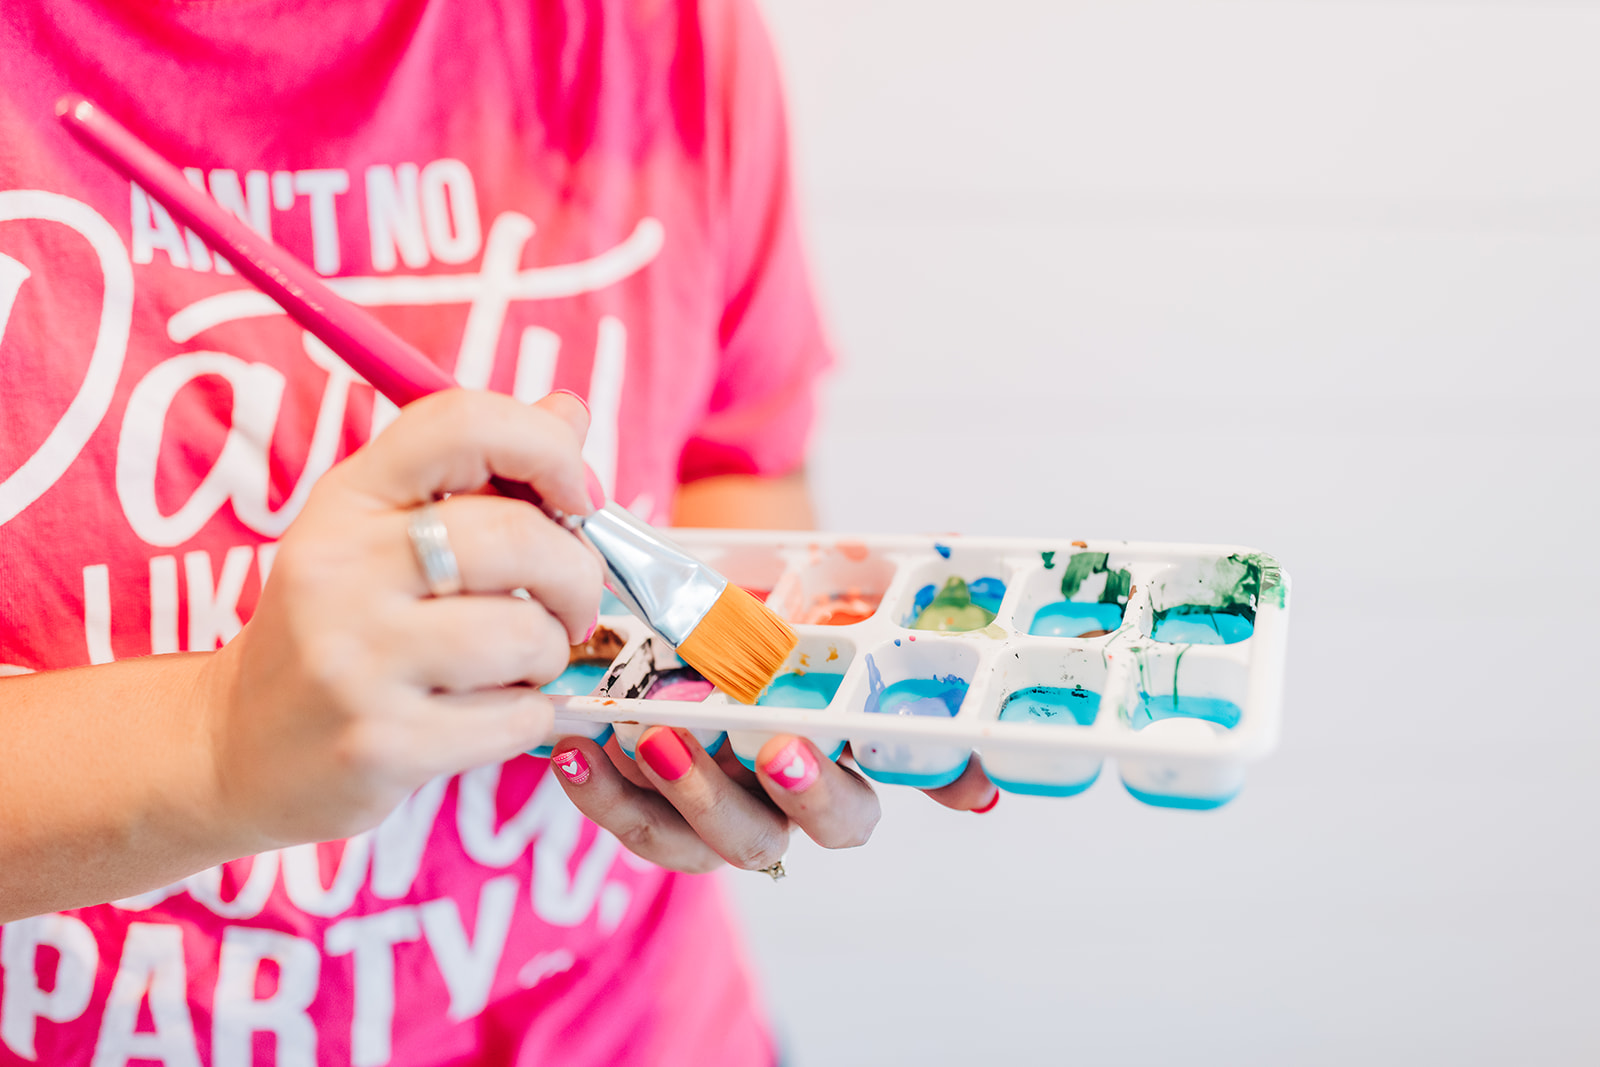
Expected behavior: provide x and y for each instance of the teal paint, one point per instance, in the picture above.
(812, 689)
(1038, 789)
(1224, 713)
(579, 680)
(1049, 559)
(1052, 704)
(1183, 626)
(937, 696)
(1162, 800)
(1069, 618)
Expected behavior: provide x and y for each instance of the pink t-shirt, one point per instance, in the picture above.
(538, 193)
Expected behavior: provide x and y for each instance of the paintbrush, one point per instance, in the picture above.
(720, 630)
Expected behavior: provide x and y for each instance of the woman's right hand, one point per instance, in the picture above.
(351, 686)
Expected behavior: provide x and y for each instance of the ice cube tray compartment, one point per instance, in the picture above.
(1180, 713)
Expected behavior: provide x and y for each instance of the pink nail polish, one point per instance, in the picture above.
(666, 754)
(575, 396)
(572, 764)
(593, 626)
(597, 494)
(794, 767)
(989, 806)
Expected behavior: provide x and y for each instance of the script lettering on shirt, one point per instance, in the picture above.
(417, 217)
(567, 886)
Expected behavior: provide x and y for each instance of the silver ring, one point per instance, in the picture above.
(776, 870)
(431, 544)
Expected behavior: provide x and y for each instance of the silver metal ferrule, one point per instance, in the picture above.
(658, 581)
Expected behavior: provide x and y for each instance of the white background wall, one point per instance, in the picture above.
(1320, 277)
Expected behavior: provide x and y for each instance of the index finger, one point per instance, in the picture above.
(456, 440)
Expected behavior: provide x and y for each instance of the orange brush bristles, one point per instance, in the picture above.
(739, 645)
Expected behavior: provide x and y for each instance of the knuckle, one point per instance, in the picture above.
(367, 749)
(512, 529)
(760, 851)
(543, 647)
(641, 835)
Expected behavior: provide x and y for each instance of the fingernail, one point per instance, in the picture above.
(794, 767)
(575, 396)
(572, 764)
(597, 493)
(666, 754)
(989, 806)
(593, 626)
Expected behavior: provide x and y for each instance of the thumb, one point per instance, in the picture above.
(570, 408)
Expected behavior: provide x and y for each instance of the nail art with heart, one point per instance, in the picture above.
(572, 764)
(794, 767)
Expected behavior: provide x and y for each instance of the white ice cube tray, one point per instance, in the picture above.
(1157, 716)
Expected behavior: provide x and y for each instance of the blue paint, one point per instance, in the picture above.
(1051, 704)
(544, 751)
(579, 680)
(1069, 618)
(610, 605)
(939, 697)
(814, 689)
(943, 550)
(1162, 800)
(987, 593)
(914, 696)
(1224, 713)
(1202, 627)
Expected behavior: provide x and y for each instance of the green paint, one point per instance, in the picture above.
(1236, 587)
(1271, 580)
(1119, 584)
(1049, 559)
(1079, 568)
(952, 610)
(1082, 565)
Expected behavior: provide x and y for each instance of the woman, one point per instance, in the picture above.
(585, 198)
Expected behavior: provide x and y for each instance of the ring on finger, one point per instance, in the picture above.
(430, 542)
(776, 870)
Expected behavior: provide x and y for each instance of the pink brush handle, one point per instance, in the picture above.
(393, 367)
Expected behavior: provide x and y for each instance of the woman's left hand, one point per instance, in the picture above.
(683, 809)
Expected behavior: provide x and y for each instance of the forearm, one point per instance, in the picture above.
(107, 784)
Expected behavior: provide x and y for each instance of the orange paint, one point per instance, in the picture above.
(855, 551)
